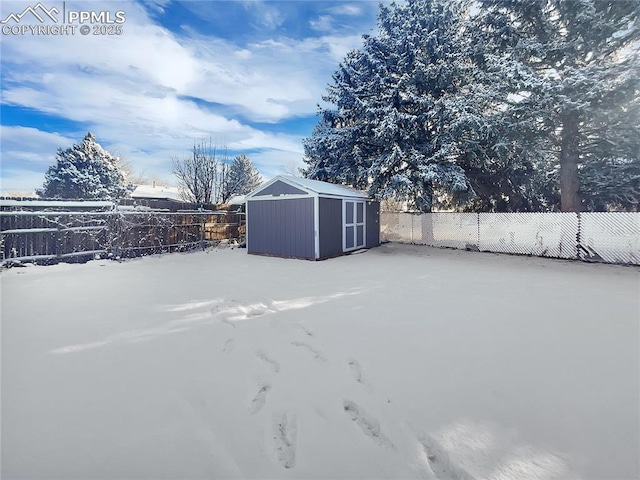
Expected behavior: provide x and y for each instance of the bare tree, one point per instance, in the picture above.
(201, 176)
(222, 178)
(292, 169)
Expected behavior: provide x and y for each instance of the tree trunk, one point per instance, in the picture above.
(569, 156)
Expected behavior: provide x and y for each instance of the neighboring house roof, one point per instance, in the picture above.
(312, 186)
(155, 192)
(237, 200)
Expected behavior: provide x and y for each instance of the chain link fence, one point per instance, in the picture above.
(610, 237)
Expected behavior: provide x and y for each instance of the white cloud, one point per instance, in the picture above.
(140, 90)
(324, 23)
(276, 162)
(339, 46)
(147, 58)
(19, 182)
(346, 9)
(158, 5)
(265, 14)
(243, 54)
(30, 148)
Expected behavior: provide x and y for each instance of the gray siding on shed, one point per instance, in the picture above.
(280, 188)
(373, 224)
(330, 225)
(281, 227)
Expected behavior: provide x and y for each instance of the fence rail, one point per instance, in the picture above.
(610, 237)
(73, 236)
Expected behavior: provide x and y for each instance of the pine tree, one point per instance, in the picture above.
(515, 105)
(610, 158)
(85, 171)
(242, 177)
(422, 113)
(395, 101)
(586, 55)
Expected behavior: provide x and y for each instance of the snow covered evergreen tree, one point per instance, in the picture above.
(422, 114)
(85, 171)
(505, 107)
(609, 168)
(395, 101)
(586, 55)
(242, 177)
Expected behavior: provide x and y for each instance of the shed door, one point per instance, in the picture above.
(353, 221)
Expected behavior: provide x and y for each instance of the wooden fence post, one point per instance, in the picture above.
(202, 228)
(59, 241)
(117, 235)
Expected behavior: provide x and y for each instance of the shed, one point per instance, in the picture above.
(301, 218)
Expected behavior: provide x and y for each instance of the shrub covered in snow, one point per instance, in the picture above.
(85, 171)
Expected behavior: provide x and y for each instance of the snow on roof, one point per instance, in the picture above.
(321, 188)
(152, 191)
(326, 188)
(237, 200)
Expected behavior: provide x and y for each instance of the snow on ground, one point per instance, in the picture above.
(399, 362)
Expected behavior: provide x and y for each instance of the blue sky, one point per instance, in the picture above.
(247, 74)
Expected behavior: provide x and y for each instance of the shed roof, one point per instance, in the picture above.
(313, 186)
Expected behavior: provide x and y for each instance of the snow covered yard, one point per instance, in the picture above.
(399, 362)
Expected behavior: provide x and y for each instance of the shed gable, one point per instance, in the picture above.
(280, 188)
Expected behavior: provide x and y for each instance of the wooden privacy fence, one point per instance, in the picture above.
(47, 236)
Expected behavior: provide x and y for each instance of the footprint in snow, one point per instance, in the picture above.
(356, 371)
(369, 425)
(307, 332)
(285, 433)
(224, 310)
(253, 311)
(440, 462)
(228, 322)
(228, 346)
(275, 366)
(317, 354)
(259, 400)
